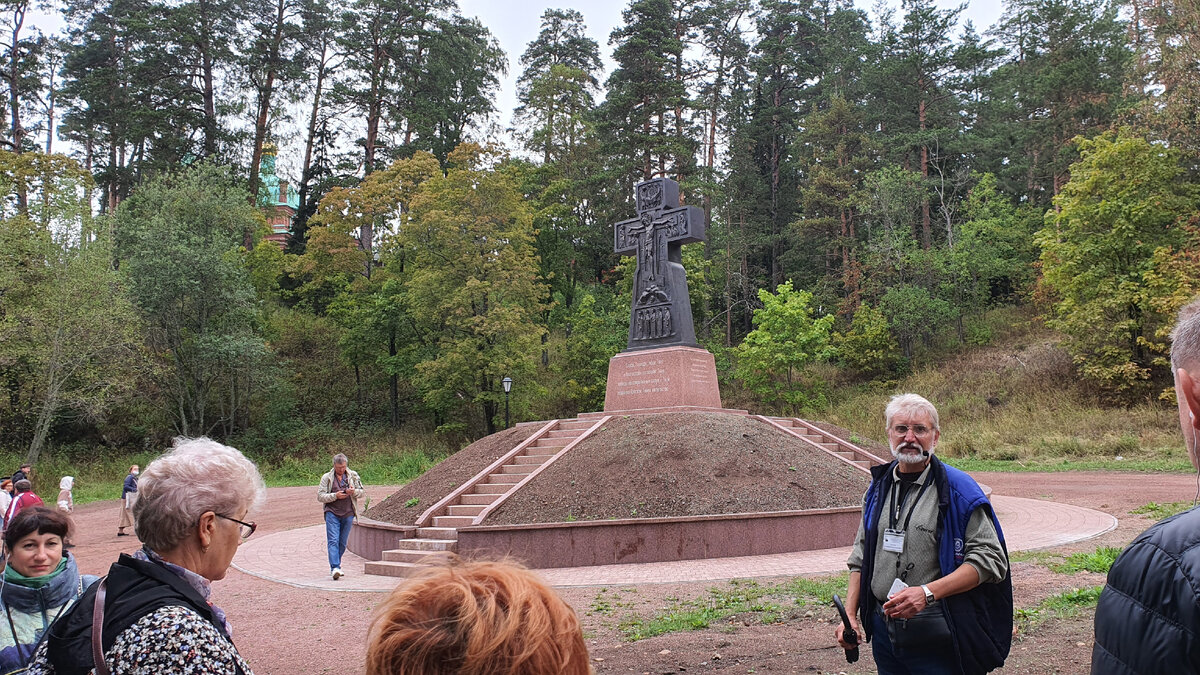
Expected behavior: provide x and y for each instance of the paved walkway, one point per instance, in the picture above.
(297, 557)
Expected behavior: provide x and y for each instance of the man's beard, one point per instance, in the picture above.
(909, 453)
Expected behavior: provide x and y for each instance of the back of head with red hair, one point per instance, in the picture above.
(475, 618)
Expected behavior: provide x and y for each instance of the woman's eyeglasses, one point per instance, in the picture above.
(246, 529)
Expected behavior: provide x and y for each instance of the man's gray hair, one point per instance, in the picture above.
(1185, 339)
(23, 485)
(340, 459)
(910, 403)
(196, 476)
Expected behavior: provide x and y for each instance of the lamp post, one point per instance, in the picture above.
(507, 382)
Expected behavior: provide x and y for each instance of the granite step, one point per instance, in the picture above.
(531, 459)
(438, 533)
(387, 568)
(564, 433)
(411, 556)
(495, 489)
(466, 509)
(428, 544)
(519, 469)
(570, 425)
(450, 522)
(478, 499)
(551, 443)
(504, 478)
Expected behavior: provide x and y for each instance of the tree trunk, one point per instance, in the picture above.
(926, 233)
(14, 99)
(394, 383)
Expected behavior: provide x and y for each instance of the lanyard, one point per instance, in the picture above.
(898, 503)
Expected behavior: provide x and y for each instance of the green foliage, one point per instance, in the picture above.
(867, 346)
(1098, 561)
(597, 329)
(474, 286)
(1158, 511)
(914, 314)
(818, 590)
(69, 340)
(720, 603)
(1123, 206)
(179, 243)
(786, 338)
(1059, 606)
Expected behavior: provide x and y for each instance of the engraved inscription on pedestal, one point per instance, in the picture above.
(669, 376)
(661, 314)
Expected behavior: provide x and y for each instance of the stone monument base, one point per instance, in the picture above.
(667, 377)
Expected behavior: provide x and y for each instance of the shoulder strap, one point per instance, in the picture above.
(98, 628)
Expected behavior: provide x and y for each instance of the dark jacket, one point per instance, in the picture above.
(31, 610)
(135, 588)
(1148, 618)
(981, 619)
(129, 486)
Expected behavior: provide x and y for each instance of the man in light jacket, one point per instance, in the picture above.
(340, 491)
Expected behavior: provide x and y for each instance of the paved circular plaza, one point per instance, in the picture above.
(297, 557)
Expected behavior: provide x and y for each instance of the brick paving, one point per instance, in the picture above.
(297, 557)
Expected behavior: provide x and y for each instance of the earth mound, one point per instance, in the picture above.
(650, 466)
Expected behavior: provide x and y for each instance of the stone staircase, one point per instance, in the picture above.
(436, 534)
(848, 452)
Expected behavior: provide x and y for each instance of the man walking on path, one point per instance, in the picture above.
(128, 497)
(339, 491)
(1148, 617)
(929, 573)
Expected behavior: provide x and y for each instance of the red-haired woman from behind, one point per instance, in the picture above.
(475, 618)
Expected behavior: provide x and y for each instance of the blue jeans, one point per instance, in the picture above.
(889, 663)
(337, 531)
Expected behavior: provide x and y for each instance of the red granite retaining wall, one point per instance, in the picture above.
(639, 540)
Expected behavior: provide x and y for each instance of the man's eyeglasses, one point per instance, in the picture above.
(246, 529)
(917, 429)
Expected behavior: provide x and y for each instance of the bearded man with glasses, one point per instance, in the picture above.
(929, 573)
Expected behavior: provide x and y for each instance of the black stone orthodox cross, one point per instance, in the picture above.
(661, 313)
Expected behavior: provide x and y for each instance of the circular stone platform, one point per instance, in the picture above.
(297, 557)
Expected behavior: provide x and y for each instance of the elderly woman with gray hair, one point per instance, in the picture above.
(153, 607)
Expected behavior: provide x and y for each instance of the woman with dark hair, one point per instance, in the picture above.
(475, 618)
(40, 582)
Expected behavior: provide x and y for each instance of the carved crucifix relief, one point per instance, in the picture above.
(661, 314)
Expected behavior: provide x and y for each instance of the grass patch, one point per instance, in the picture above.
(749, 600)
(818, 590)
(380, 458)
(737, 597)
(1016, 404)
(1098, 561)
(1060, 606)
(1058, 464)
(1160, 511)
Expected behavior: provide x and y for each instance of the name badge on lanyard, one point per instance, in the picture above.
(893, 540)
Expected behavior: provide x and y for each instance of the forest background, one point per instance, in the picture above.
(885, 195)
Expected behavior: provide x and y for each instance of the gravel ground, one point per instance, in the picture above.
(286, 631)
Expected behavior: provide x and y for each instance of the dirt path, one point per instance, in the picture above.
(284, 630)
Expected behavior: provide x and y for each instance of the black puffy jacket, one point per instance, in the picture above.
(1148, 619)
